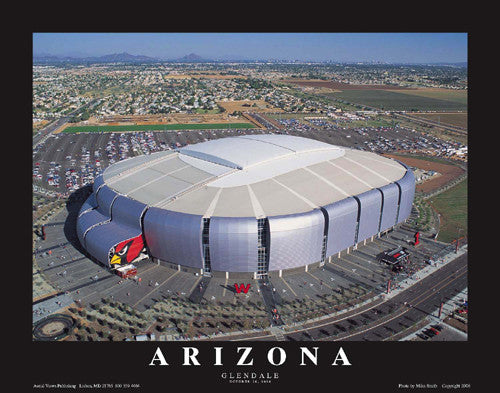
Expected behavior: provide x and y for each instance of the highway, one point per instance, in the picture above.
(57, 124)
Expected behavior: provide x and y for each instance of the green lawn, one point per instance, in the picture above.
(156, 127)
(452, 205)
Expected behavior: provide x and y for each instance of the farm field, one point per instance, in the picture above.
(458, 119)
(397, 101)
(341, 86)
(156, 127)
(459, 96)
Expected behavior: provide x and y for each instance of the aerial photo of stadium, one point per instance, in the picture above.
(243, 206)
(191, 199)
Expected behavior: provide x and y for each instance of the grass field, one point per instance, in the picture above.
(452, 205)
(157, 127)
(398, 101)
(459, 96)
(452, 119)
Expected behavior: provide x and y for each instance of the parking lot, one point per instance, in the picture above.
(64, 162)
(379, 139)
(439, 332)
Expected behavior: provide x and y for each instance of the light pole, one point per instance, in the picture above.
(458, 238)
(439, 226)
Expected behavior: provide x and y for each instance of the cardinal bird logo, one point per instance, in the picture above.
(126, 251)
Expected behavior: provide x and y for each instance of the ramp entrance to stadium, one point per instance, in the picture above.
(395, 256)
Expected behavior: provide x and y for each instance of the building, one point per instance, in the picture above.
(243, 206)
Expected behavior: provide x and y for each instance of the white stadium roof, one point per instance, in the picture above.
(251, 175)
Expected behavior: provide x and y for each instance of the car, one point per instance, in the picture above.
(429, 333)
(438, 327)
(434, 330)
(422, 336)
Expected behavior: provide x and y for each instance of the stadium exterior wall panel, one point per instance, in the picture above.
(102, 238)
(233, 244)
(88, 220)
(342, 217)
(369, 217)
(127, 211)
(174, 237)
(105, 197)
(98, 182)
(88, 205)
(390, 206)
(296, 240)
(407, 184)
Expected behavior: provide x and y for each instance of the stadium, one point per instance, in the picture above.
(243, 206)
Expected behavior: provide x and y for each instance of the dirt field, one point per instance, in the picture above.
(448, 172)
(247, 106)
(39, 124)
(172, 118)
(342, 86)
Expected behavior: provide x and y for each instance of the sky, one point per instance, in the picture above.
(340, 47)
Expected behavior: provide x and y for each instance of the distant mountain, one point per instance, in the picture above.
(122, 58)
(192, 58)
(113, 58)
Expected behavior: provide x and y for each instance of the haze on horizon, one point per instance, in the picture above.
(336, 47)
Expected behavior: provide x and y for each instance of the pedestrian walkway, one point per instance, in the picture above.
(268, 293)
(199, 290)
(50, 306)
(452, 304)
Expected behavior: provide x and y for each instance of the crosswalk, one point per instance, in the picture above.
(277, 333)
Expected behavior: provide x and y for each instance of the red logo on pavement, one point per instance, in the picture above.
(242, 287)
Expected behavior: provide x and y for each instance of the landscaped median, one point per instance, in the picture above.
(156, 127)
